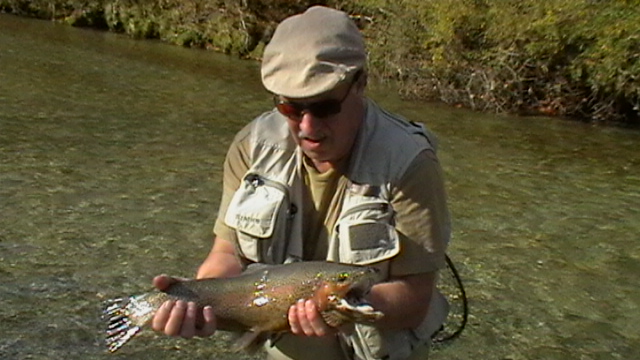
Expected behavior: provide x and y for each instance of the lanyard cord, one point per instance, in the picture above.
(445, 333)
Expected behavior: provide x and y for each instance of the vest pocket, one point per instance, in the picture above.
(366, 233)
(254, 211)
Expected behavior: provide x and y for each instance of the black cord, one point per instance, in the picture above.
(465, 307)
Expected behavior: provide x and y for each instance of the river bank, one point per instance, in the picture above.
(566, 58)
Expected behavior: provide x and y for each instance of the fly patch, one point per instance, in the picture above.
(369, 236)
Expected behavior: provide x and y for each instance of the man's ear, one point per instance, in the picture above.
(362, 81)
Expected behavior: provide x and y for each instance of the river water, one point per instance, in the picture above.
(110, 158)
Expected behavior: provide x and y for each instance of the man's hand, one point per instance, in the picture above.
(305, 319)
(180, 318)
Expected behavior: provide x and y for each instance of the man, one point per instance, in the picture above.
(328, 175)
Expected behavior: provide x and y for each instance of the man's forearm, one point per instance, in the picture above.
(404, 301)
(221, 261)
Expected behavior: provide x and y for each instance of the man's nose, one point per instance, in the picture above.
(309, 123)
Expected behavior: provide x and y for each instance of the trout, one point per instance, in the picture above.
(256, 302)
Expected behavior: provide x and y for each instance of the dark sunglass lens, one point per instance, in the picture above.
(321, 109)
(325, 108)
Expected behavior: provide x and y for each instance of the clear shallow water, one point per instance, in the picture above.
(110, 158)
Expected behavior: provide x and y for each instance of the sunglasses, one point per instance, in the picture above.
(319, 109)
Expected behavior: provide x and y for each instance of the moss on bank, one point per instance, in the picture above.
(576, 58)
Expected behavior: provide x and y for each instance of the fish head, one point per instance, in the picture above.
(351, 280)
(341, 292)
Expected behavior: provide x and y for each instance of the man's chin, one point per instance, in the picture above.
(316, 156)
(314, 150)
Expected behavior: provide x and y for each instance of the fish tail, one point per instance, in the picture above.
(124, 318)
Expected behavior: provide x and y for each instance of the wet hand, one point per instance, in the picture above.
(181, 318)
(305, 319)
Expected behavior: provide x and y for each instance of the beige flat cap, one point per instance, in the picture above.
(311, 53)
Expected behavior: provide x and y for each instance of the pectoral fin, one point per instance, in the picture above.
(335, 318)
(340, 311)
(250, 341)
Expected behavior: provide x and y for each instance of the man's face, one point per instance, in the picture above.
(324, 137)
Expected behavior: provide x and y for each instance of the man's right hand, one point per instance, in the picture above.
(181, 318)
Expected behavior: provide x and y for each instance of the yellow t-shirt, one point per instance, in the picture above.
(323, 193)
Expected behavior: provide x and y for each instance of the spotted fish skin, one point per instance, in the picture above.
(256, 302)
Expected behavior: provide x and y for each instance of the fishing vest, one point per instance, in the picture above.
(266, 210)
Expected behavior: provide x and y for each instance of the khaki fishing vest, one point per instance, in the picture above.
(266, 210)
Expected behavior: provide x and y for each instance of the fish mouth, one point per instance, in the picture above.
(358, 312)
(349, 304)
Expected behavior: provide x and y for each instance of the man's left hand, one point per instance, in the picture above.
(305, 319)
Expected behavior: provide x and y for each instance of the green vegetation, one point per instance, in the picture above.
(559, 57)
(575, 58)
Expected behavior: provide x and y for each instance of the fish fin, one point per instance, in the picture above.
(334, 318)
(122, 318)
(250, 341)
(276, 337)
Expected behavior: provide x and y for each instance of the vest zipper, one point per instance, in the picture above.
(383, 207)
